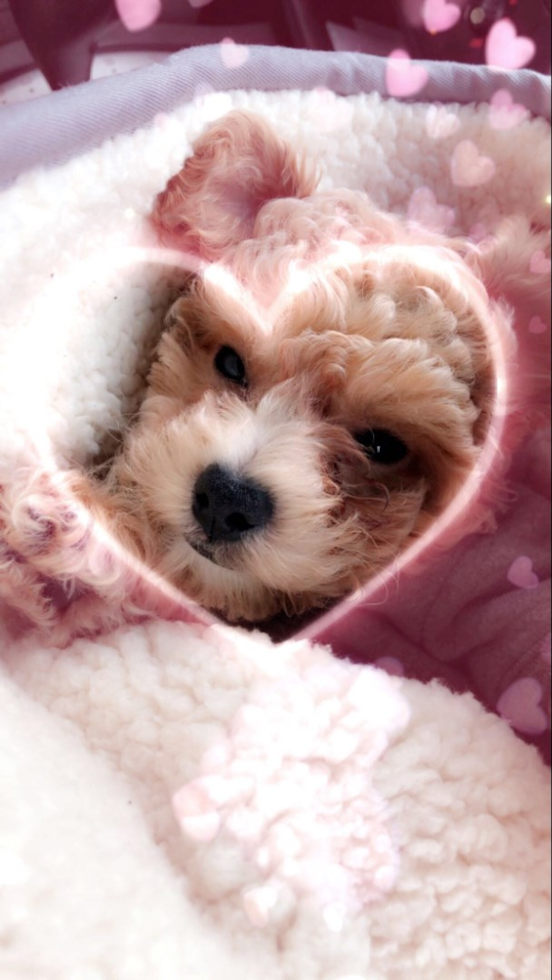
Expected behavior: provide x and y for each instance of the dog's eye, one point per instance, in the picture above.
(231, 366)
(382, 446)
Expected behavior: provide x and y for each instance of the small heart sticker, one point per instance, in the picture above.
(521, 574)
(439, 16)
(505, 49)
(425, 209)
(540, 264)
(520, 704)
(233, 55)
(136, 15)
(440, 123)
(391, 665)
(403, 78)
(468, 167)
(537, 325)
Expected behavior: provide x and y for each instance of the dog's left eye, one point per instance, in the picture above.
(231, 366)
(382, 446)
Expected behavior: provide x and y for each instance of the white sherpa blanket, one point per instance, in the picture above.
(189, 802)
(329, 823)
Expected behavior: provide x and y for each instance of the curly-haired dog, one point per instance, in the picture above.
(322, 390)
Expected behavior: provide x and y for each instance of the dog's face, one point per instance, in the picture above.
(321, 391)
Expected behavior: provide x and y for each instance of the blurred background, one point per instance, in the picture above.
(49, 44)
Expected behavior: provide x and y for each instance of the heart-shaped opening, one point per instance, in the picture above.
(146, 279)
(290, 403)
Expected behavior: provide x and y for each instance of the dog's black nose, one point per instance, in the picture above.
(228, 506)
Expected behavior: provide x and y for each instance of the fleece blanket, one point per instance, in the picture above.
(295, 816)
(191, 802)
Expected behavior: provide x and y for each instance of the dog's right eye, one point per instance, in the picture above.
(231, 366)
(382, 446)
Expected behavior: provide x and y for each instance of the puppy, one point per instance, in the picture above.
(321, 392)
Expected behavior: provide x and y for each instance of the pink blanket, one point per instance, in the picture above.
(479, 618)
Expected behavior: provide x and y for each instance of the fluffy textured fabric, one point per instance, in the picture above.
(184, 801)
(328, 822)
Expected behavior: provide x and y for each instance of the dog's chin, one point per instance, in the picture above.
(212, 554)
(200, 571)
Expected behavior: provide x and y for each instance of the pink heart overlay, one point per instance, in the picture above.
(505, 49)
(440, 123)
(438, 15)
(537, 325)
(521, 574)
(328, 111)
(136, 15)
(504, 113)
(162, 119)
(520, 704)
(233, 55)
(425, 209)
(469, 168)
(403, 77)
(540, 264)
(391, 665)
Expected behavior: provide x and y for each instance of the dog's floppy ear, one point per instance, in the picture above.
(238, 165)
(514, 263)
